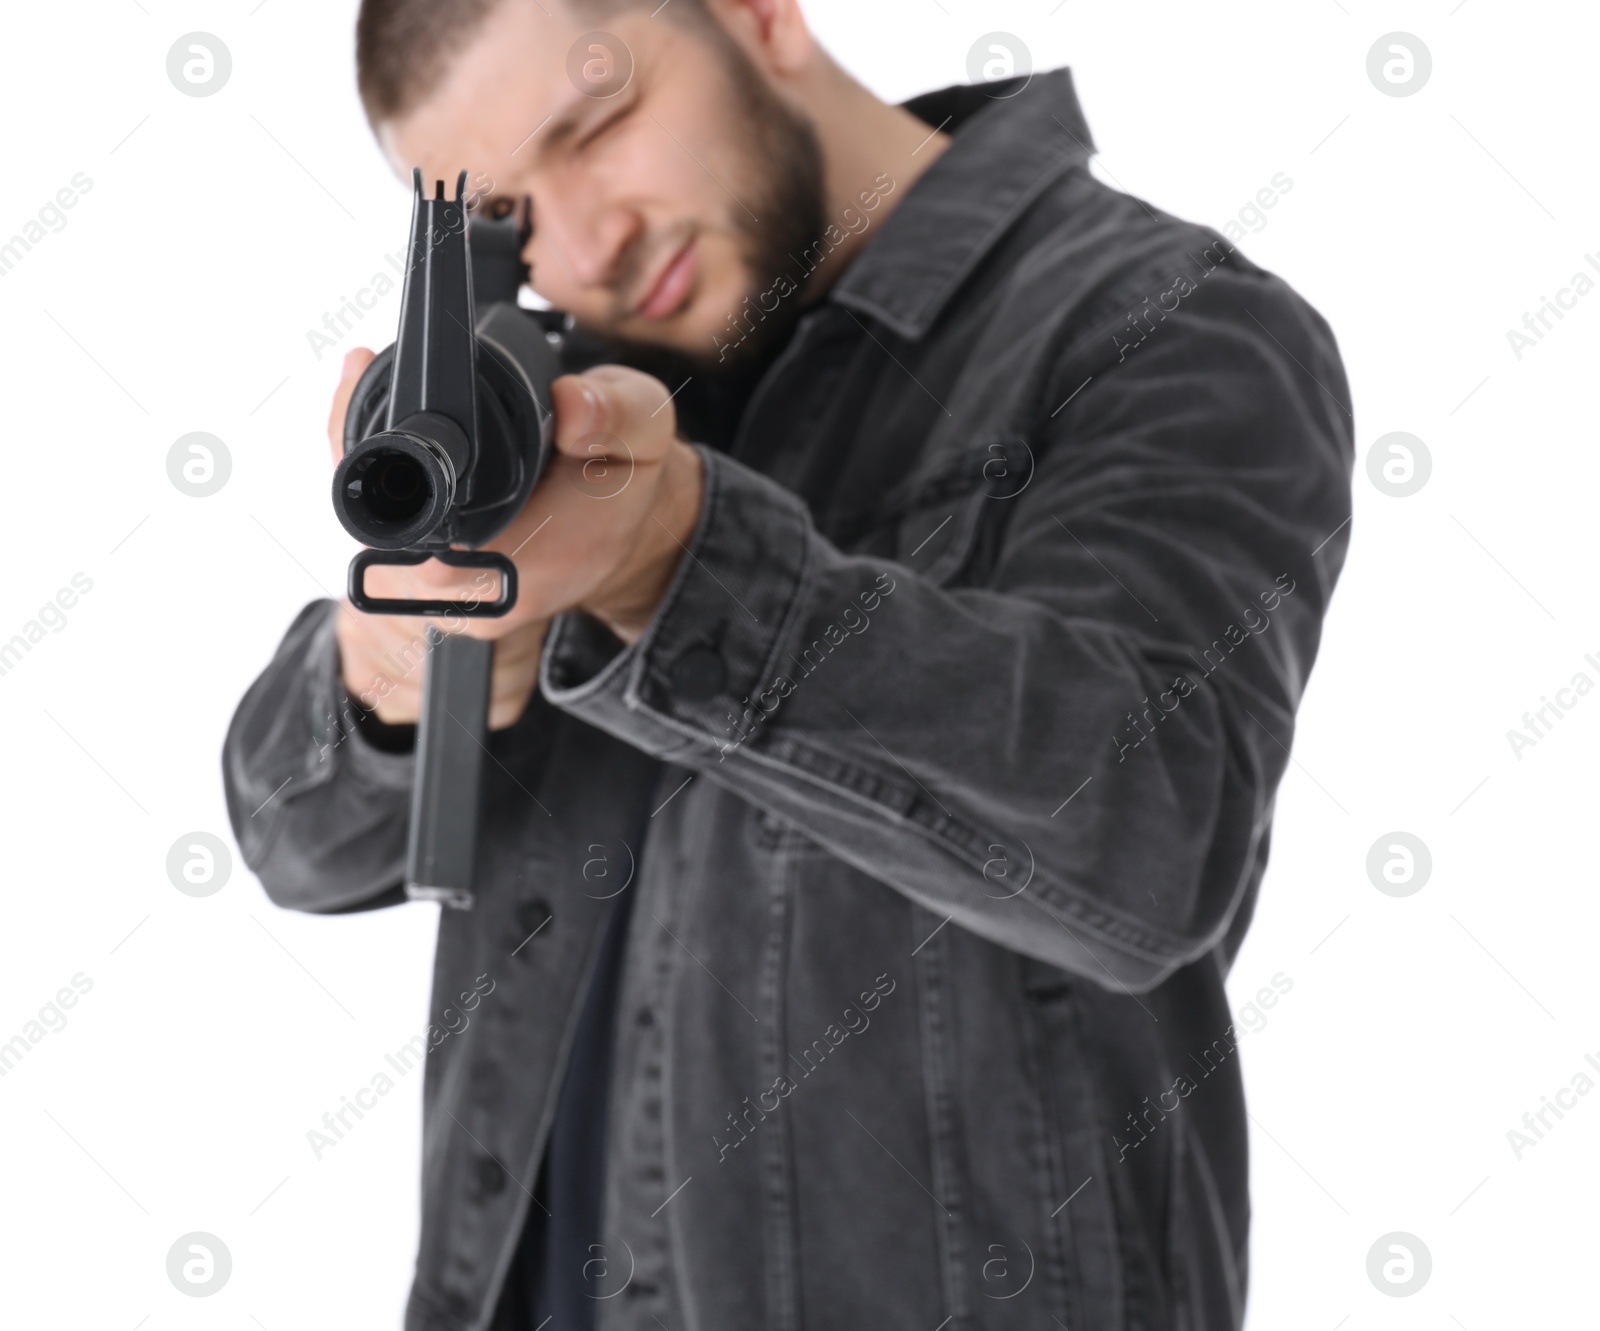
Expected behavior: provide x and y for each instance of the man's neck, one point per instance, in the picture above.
(871, 150)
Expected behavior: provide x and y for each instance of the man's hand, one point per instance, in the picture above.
(602, 532)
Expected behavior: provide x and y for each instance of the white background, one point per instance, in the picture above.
(219, 230)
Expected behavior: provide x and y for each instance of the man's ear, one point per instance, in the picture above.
(384, 133)
(773, 33)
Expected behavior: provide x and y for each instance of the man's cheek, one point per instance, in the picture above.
(724, 301)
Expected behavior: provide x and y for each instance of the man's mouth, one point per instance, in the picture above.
(667, 294)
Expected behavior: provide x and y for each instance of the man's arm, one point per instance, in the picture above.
(319, 804)
(1031, 733)
(319, 813)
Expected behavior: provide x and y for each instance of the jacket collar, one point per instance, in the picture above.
(1007, 148)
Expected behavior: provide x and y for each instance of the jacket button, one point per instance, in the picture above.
(488, 1175)
(699, 673)
(645, 1017)
(533, 924)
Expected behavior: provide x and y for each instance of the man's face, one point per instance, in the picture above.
(662, 196)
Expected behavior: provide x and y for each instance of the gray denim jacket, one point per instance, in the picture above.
(944, 776)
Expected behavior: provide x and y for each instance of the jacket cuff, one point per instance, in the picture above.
(337, 736)
(685, 683)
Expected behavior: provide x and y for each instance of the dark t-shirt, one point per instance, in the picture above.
(560, 1269)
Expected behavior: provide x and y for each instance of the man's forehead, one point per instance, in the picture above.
(521, 89)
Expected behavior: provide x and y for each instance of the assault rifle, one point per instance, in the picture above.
(447, 433)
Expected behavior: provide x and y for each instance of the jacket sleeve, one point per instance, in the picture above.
(319, 814)
(1073, 754)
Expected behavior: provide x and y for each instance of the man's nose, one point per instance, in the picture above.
(591, 244)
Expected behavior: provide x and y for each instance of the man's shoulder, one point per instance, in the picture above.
(1112, 246)
(1089, 258)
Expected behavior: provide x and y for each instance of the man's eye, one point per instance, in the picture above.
(610, 122)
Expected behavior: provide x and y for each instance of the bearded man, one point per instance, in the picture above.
(882, 778)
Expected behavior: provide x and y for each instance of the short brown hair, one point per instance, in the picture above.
(403, 47)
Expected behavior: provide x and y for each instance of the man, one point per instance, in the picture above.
(883, 774)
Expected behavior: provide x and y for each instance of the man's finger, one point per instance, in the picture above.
(355, 365)
(612, 403)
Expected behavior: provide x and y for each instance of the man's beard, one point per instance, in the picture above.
(780, 212)
(785, 163)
